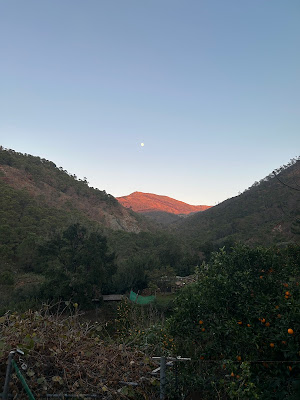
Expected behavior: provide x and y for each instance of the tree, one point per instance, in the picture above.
(245, 308)
(78, 265)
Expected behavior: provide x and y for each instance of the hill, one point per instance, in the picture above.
(41, 181)
(266, 213)
(52, 221)
(149, 202)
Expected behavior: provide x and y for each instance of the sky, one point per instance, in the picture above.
(211, 87)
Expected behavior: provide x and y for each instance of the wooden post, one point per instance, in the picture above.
(162, 378)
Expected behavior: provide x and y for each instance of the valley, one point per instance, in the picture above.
(64, 244)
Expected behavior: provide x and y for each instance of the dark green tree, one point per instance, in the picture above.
(77, 265)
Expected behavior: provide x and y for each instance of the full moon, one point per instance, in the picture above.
(142, 144)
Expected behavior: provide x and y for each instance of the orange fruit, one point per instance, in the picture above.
(239, 358)
(200, 322)
(290, 331)
(272, 345)
(237, 376)
(203, 329)
(286, 296)
(283, 342)
(232, 374)
(240, 323)
(289, 368)
(276, 307)
(201, 358)
(267, 323)
(261, 277)
(248, 325)
(263, 320)
(285, 285)
(287, 293)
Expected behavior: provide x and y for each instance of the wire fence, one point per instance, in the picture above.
(171, 374)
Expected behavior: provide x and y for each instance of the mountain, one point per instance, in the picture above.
(266, 213)
(42, 185)
(149, 202)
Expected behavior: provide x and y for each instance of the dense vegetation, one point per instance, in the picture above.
(42, 170)
(266, 213)
(35, 240)
(239, 322)
(243, 318)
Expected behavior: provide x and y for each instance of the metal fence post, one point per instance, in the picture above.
(23, 381)
(162, 378)
(7, 376)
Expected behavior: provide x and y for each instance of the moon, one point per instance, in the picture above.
(142, 144)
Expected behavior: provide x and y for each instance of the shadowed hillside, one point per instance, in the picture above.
(52, 187)
(268, 212)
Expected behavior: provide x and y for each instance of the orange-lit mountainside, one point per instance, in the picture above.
(147, 202)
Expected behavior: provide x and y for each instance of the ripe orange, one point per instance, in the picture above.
(200, 322)
(232, 374)
(289, 368)
(239, 358)
(287, 293)
(283, 342)
(203, 329)
(286, 296)
(272, 345)
(261, 277)
(240, 323)
(263, 320)
(290, 331)
(276, 307)
(267, 323)
(248, 325)
(285, 285)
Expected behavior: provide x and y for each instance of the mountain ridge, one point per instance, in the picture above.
(141, 202)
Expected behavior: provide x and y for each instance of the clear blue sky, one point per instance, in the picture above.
(212, 87)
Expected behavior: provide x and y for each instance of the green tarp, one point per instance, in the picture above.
(135, 298)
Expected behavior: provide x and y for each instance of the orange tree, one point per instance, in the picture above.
(244, 315)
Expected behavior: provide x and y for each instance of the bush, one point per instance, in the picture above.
(7, 278)
(244, 308)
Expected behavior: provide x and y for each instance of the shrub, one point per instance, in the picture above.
(241, 310)
(7, 278)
